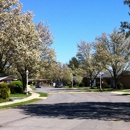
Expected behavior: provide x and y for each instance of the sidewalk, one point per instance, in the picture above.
(33, 96)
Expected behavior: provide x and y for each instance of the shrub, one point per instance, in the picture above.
(120, 86)
(98, 84)
(81, 84)
(3, 85)
(12, 88)
(104, 84)
(4, 90)
(5, 93)
(18, 88)
(108, 86)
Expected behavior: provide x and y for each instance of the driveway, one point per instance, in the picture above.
(70, 109)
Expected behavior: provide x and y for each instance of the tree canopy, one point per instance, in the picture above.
(24, 44)
(114, 52)
(125, 26)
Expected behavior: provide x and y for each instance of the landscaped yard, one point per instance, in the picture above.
(95, 89)
(14, 96)
(20, 103)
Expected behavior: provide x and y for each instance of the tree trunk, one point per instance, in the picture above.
(91, 84)
(24, 82)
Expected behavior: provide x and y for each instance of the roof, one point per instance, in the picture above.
(39, 79)
(107, 74)
(7, 78)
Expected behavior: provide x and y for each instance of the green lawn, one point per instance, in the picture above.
(124, 90)
(15, 96)
(95, 89)
(3, 100)
(19, 95)
(19, 104)
(42, 94)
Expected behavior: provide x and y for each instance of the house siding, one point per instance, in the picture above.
(125, 80)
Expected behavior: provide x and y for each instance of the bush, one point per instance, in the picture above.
(108, 86)
(17, 87)
(120, 86)
(4, 90)
(104, 84)
(98, 84)
(5, 93)
(12, 88)
(81, 84)
(3, 85)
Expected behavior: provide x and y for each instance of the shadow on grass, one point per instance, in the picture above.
(86, 110)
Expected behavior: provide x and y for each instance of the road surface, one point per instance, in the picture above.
(67, 109)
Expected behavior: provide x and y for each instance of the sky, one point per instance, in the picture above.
(73, 21)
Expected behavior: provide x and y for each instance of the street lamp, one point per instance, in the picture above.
(27, 72)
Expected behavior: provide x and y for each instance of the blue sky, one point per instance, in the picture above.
(74, 20)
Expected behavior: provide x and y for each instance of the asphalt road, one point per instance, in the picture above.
(70, 110)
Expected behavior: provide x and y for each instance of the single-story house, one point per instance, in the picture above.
(40, 80)
(7, 79)
(107, 78)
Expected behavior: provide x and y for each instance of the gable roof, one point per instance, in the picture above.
(107, 74)
(7, 78)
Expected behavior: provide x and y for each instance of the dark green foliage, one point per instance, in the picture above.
(125, 26)
(104, 84)
(16, 87)
(108, 86)
(127, 2)
(120, 86)
(12, 88)
(4, 91)
(3, 100)
(73, 63)
(81, 84)
(3, 85)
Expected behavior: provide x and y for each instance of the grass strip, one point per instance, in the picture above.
(42, 94)
(124, 90)
(20, 103)
(3, 100)
(21, 95)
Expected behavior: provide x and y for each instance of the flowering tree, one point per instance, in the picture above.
(113, 51)
(24, 45)
(87, 60)
(9, 17)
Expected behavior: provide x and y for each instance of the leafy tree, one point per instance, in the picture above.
(88, 62)
(113, 51)
(38, 53)
(73, 63)
(68, 78)
(125, 26)
(24, 45)
(78, 79)
(9, 18)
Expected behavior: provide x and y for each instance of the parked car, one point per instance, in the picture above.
(59, 85)
(38, 85)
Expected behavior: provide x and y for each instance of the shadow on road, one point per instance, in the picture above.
(86, 110)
